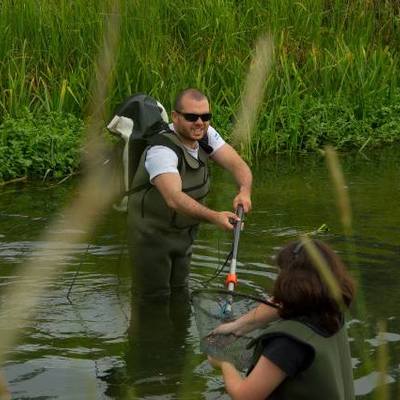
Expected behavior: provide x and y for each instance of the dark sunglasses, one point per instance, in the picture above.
(194, 117)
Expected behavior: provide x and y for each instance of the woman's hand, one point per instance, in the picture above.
(225, 329)
(215, 362)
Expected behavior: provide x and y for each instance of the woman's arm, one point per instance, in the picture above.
(256, 318)
(258, 385)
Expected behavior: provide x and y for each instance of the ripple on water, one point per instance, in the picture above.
(368, 383)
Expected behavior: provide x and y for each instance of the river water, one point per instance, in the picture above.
(87, 345)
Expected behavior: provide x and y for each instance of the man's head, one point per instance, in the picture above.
(191, 115)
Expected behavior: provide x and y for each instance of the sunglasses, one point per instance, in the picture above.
(194, 117)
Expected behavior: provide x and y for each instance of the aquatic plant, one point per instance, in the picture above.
(41, 146)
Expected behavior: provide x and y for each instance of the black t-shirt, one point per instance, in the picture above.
(288, 354)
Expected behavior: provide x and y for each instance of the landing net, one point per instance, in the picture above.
(215, 307)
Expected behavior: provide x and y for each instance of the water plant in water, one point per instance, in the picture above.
(40, 146)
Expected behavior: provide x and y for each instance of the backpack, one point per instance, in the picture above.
(137, 119)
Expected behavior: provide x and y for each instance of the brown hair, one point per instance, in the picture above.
(300, 290)
(192, 93)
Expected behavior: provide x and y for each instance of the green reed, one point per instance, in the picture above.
(334, 73)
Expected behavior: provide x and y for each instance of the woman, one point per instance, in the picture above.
(305, 353)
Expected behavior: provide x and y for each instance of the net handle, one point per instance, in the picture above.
(231, 279)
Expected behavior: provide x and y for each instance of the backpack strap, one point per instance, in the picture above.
(159, 140)
(204, 144)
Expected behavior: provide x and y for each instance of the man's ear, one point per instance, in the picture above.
(174, 116)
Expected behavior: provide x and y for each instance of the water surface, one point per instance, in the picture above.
(90, 346)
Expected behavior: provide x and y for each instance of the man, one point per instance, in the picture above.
(171, 182)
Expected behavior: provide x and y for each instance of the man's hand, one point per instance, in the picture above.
(225, 220)
(244, 199)
(170, 187)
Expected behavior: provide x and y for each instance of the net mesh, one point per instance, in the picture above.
(215, 307)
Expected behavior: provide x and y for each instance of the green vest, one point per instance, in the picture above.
(146, 205)
(329, 376)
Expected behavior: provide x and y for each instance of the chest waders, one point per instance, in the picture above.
(330, 374)
(160, 240)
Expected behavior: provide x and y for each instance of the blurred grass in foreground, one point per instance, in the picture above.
(79, 218)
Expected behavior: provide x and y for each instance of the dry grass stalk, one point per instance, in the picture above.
(79, 218)
(323, 269)
(4, 392)
(22, 179)
(382, 363)
(339, 183)
(253, 93)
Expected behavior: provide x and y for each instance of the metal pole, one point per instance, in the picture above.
(231, 279)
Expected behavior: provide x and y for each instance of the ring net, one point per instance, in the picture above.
(212, 308)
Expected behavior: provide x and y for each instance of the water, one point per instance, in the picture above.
(86, 347)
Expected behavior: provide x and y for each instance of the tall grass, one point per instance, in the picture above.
(333, 80)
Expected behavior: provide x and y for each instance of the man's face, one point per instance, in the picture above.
(191, 130)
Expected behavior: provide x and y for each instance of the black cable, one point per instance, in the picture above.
(219, 270)
(77, 271)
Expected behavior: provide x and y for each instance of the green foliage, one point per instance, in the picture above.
(334, 78)
(311, 123)
(39, 146)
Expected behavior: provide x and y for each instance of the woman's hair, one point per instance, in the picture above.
(300, 290)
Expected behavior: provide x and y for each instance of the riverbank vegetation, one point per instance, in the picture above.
(333, 80)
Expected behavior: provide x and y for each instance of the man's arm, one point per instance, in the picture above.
(227, 157)
(170, 187)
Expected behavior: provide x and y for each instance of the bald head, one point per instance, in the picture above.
(190, 93)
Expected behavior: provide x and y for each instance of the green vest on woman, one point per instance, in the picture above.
(329, 375)
(146, 205)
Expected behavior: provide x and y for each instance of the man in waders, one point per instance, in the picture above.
(165, 207)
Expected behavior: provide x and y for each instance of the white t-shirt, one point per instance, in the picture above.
(162, 159)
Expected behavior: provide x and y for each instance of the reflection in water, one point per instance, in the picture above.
(157, 349)
(157, 345)
(97, 340)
